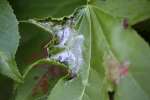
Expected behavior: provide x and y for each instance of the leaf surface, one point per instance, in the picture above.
(39, 79)
(126, 45)
(9, 40)
(82, 87)
(107, 36)
(133, 10)
(32, 44)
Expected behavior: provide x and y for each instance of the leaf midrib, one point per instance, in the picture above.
(88, 15)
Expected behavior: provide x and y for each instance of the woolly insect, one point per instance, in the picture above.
(72, 41)
(64, 35)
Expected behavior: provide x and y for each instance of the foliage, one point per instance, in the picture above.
(73, 50)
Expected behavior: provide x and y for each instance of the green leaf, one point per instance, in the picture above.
(106, 36)
(134, 10)
(9, 40)
(8, 67)
(9, 36)
(84, 87)
(32, 44)
(28, 9)
(137, 51)
(39, 79)
(126, 45)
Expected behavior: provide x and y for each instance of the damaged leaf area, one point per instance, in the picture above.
(74, 50)
(39, 72)
(66, 47)
(39, 79)
(80, 44)
(98, 55)
(115, 70)
(72, 54)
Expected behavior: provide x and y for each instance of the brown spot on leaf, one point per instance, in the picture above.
(45, 52)
(57, 71)
(52, 72)
(44, 83)
(123, 69)
(125, 23)
(115, 70)
(41, 86)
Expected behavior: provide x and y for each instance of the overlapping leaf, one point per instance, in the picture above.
(28, 9)
(9, 40)
(32, 44)
(39, 79)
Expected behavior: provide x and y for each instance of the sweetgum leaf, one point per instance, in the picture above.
(9, 40)
(28, 9)
(106, 36)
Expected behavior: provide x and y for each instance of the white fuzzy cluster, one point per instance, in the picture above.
(72, 41)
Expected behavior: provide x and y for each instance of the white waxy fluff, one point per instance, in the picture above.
(72, 41)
